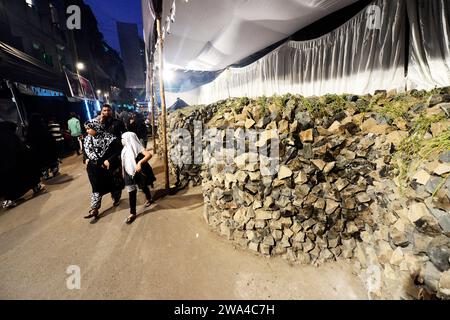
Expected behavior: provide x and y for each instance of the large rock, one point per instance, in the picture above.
(399, 238)
(308, 245)
(331, 206)
(417, 210)
(384, 252)
(328, 167)
(351, 227)
(301, 178)
(433, 184)
(269, 240)
(335, 126)
(341, 184)
(439, 252)
(444, 284)
(253, 246)
(307, 136)
(397, 257)
(284, 173)
(372, 126)
(445, 157)
(320, 164)
(363, 197)
(277, 234)
(304, 119)
(436, 99)
(429, 226)
(431, 277)
(263, 214)
(240, 216)
(249, 123)
(422, 177)
(396, 137)
(442, 169)
(225, 230)
(241, 177)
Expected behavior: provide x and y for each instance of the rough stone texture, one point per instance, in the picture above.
(444, 285)
(336, 193)
(439, 252)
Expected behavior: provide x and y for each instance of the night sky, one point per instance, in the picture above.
(108, 12)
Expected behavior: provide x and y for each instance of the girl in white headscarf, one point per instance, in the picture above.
(136, 171)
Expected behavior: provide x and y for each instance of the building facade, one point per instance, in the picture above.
(38, 28)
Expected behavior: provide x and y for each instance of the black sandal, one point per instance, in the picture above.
(149, 203)
(130, 219)
(93, 213)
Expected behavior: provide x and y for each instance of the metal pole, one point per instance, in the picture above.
(81, 85)
(11, 88)
(75, 51)
(163, 106)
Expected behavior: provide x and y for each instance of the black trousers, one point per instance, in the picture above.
(133, 198)
(76, 145)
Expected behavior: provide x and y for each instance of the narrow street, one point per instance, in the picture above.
(169, 252)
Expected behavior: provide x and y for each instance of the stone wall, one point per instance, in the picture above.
(186, 173)
(360, 177)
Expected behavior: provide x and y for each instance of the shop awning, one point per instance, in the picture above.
(17, 66)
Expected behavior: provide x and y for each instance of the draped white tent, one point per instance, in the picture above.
(429, 65)
(211, 35)
(379, 48)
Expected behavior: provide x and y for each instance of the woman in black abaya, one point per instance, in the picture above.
(43, 146)
(102, 154)
(18, 173)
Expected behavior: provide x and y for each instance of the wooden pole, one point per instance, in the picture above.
(153, 112)
(163, 106)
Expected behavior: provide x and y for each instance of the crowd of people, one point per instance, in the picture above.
(113, 148)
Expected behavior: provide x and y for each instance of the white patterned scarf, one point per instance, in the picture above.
(96, 146)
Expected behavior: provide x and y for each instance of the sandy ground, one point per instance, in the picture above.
(167, 253)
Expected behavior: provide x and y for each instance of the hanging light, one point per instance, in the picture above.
(169, 74)
(80, 66)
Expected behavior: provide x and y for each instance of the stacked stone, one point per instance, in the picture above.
(315, 208)
(336, 194)
(410, 248)
(187, 172)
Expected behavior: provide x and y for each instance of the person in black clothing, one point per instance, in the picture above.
(110, 124)
(137, 125)
(18, 172)
(102, 154)
(125, 116)
(43, 146)
(56, 132)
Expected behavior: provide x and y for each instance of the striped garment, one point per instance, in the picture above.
(55, 130)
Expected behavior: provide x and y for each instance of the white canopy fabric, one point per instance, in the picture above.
(359, 57)
(429, 64)
(371, 51)
(209, 35)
